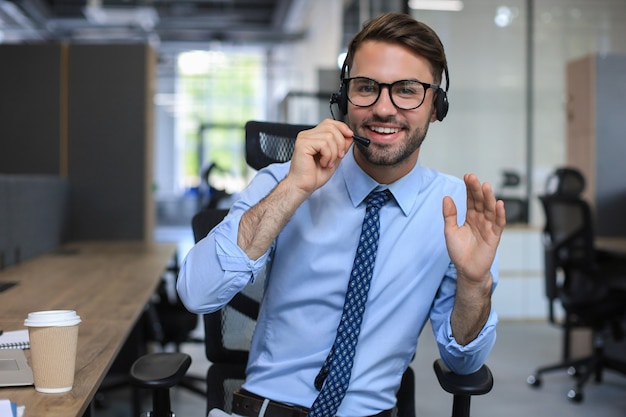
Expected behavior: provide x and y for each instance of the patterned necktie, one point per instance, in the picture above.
(333, 378)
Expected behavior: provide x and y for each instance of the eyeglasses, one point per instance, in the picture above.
(404, 94)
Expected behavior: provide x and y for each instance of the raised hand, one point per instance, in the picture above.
(472, 246)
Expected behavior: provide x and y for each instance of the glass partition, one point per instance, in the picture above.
(491, 47)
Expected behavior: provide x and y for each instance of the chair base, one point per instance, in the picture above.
(582, 369)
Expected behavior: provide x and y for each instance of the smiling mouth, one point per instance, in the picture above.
(384, 130)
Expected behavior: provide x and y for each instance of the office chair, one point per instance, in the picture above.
(581, 278)
(228, 332)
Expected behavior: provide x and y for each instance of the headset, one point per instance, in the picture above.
(341, 96)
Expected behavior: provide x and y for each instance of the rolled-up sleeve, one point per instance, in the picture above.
(216, 269)
(461, 359)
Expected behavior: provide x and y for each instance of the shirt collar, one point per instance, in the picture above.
(359, 184)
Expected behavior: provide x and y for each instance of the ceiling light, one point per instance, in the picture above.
(443, 5)
(145, 17)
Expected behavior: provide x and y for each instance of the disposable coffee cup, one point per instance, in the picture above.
(53, 340)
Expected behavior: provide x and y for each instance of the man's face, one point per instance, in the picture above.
(395, 134)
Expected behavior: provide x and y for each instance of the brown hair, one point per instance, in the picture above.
(401, 29)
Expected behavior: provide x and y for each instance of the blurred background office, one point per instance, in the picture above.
(219, 63)
(143, 103)
(140, 106)
(171, 111)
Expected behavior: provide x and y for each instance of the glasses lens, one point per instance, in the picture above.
(363, 92)
(405, 94)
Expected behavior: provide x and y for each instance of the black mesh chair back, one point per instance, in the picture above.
(568, 231)
(565, 181)
(268, 142)
(568, 245)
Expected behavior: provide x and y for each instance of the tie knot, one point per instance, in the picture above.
(377, 198)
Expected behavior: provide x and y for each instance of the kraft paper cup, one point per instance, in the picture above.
(53, 340)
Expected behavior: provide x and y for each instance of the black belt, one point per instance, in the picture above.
(248, 404)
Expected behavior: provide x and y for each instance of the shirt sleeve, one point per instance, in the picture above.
(461, 359)
(216, 268)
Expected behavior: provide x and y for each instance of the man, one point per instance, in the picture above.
(299, 224)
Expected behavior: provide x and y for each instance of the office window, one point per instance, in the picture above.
(218, 92)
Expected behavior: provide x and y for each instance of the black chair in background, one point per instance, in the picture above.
(228, 332)
(583, 280)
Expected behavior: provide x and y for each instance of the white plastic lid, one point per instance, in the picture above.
(52, 318)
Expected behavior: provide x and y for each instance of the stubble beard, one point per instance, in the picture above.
(393, 154)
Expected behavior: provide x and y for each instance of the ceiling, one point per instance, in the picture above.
(228, 21)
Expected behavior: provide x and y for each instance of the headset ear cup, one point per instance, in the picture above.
(441, 104)
(342, 100)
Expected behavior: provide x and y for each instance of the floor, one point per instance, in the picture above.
(521, 346)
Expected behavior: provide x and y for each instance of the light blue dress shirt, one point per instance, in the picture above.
(307, 270)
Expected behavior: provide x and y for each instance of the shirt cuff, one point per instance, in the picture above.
(231, 256)
(465, 359)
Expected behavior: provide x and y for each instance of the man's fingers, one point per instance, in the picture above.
(474, 193)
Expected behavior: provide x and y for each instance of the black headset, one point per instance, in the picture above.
(341, 96)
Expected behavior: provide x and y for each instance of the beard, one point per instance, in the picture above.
(392, 154)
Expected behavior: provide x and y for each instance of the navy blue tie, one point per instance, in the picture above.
(334, 377)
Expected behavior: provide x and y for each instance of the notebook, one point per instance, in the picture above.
(15, 339)
(14, 369)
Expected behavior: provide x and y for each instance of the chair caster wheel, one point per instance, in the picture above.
(575, 396)
(534, 381)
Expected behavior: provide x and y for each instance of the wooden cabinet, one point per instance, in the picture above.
(84, 112)
(596, 135)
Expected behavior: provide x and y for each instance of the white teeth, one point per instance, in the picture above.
(384, 130)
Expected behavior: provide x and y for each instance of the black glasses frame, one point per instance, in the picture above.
(388, 86)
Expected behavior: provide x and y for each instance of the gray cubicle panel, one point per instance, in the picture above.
(33, 215)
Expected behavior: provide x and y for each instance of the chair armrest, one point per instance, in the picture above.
(159, 370)
(478, 383)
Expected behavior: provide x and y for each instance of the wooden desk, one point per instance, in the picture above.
(108, 284)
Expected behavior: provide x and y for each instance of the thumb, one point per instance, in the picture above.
(449, 213)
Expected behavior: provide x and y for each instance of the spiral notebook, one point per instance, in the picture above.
(15, 339)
